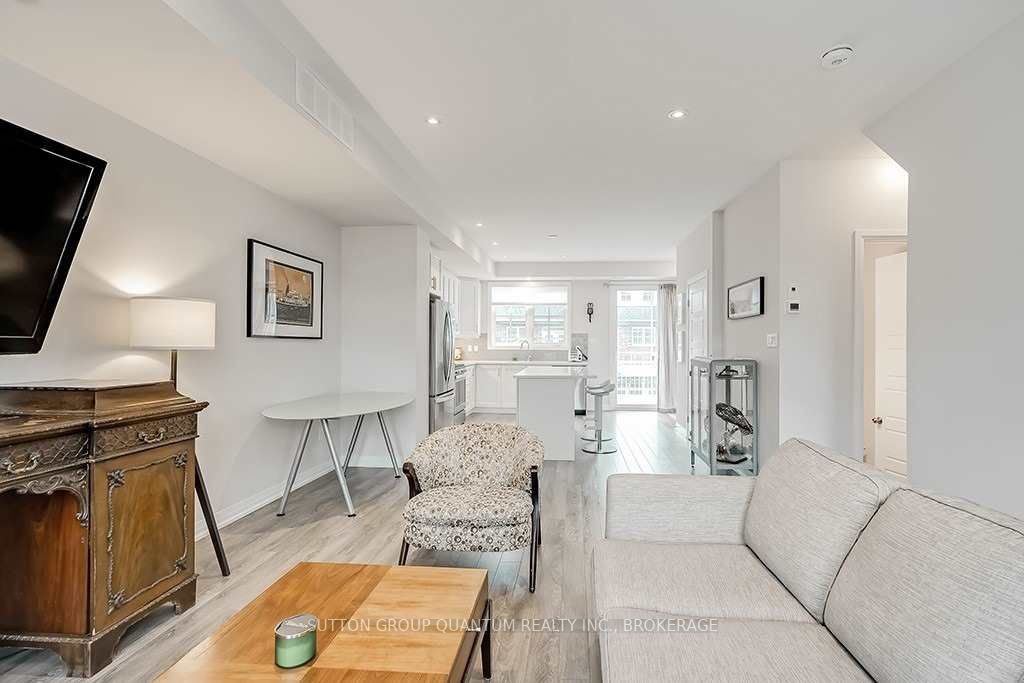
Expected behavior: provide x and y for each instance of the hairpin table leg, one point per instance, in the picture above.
(295, 467)
(338, 469)
(387, 442)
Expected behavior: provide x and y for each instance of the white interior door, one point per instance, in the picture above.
(890, 418)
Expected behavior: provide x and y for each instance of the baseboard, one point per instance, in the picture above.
(257, 500)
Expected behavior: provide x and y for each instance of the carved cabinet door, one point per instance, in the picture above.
(143, 529)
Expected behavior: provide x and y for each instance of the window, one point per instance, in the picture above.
(537, 313)
(643, 336)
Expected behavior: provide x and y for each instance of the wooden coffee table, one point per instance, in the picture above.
(377, 623)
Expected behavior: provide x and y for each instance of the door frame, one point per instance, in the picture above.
(860, 237)
(613, 339)
(706, 276)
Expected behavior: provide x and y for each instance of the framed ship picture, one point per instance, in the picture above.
(285, 293)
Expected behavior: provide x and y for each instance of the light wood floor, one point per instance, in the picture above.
(262, 546)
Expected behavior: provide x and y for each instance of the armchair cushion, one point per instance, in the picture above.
(469, 518)
(471, 505)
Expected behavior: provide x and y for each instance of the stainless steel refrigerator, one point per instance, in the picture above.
(442, 366)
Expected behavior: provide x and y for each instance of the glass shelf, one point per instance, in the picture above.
(723, 414)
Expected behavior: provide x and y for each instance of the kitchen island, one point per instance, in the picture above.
(545, 407)
(493, 382)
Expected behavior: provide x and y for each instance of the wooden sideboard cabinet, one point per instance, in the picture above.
(97, 514)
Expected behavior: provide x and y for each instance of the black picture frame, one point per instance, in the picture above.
(251, 324)
(752, 286)
(33, 343)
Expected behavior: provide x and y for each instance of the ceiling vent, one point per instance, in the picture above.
(322, 105)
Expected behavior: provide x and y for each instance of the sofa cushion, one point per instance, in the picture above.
(696, 580)
(725, 650)
(933, 590)
(808, 507)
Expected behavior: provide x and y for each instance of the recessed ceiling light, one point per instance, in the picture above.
(836, 57)
(552, 237)
(479, 225)
(677, 114)
(494, 244)
(433, 120)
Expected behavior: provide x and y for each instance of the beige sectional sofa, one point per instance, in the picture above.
(819, 569)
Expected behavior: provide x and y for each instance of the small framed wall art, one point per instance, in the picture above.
(285, 293)
(746, 299)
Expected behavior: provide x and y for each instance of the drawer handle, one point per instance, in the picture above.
(150, 437)
(28, 466)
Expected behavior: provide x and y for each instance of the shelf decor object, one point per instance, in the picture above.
(180, 324)
(723, 415)
(295, 641)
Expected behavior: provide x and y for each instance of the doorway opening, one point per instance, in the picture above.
(635, 347)
(883, 310)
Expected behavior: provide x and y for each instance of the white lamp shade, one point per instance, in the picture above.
(159, 323)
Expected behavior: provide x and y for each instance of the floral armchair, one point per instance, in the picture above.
(475, 488)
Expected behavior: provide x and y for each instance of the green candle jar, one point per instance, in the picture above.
(295, 641)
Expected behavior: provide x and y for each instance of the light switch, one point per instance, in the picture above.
(773, 340)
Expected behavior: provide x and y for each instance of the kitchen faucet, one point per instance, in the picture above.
(529, 351)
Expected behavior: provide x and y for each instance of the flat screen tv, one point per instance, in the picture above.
(46, 193)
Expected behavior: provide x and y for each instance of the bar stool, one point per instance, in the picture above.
(588, 418)
(599, 392)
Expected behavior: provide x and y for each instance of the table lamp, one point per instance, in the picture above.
(173, 324)
(179, 325)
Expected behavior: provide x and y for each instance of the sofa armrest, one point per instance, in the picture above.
(676, 508)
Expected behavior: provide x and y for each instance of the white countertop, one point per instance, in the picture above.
(550, 373)
(527, 363)
(330, 406)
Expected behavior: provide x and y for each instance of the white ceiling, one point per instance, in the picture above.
(554, 114)
(139, 59)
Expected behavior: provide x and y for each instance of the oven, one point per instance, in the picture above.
(460, 394)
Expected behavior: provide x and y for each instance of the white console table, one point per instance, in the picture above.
(332, 407)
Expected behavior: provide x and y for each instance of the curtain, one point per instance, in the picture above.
(666, 348)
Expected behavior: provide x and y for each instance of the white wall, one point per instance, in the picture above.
(795, 225)
(750, 248)
(822, 204)
(693, 257)
(168, 222)
(385, 342)
(960, 139)
(598, 331)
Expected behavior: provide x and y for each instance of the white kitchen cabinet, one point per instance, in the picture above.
(435, 274)
(469, 307)
(488, 387)
(450, 294)
(508, 385)
(470, 389)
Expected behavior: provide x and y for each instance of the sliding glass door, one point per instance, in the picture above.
(635, 346)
